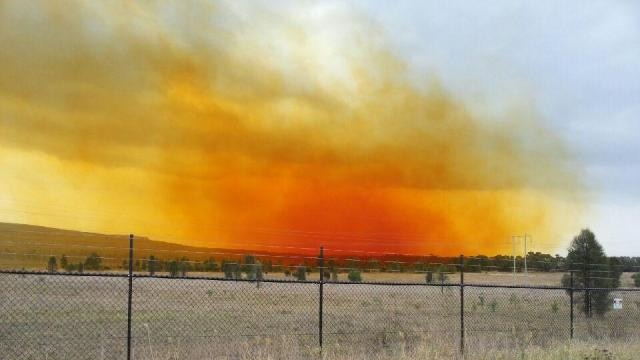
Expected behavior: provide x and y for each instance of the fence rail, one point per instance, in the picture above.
(47, 315)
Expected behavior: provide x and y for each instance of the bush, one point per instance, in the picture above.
(354, 275)
(636, 279)
(326, 275)
(301, 273)
(436, 275)
(334, 274)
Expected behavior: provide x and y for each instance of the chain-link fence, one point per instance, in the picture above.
(81, 316)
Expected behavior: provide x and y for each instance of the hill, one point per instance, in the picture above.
(30, 246)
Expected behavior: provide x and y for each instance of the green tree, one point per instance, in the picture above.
(636, 279)
(355, 275)
(591, 269)
(52, 265)
(93, 262)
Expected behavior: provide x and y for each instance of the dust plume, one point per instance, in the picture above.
(224, 124)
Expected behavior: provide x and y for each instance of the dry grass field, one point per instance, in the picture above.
(63, 317)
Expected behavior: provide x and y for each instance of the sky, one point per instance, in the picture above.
(370, 125)
(579, 62)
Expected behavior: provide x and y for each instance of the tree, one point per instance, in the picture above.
(184, 266)
(93, 262)
(437, 274)
(64, 263)
(52, 265)
(591, 269)
(354, 275)
(210, 265)
(231, 270)
(173, 268)
(301, 273)
(151, 265)
(636, 279)
(250, 267)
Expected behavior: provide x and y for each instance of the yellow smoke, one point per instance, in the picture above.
(227, 124)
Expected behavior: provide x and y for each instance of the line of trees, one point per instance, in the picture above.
(91, 262)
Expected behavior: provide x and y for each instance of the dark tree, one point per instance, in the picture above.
(591, 269)
(301, 273)
(64, 263)
(354, 275)
(249, 267)
(184, 266)
(52, 265)
(151, 265)
(231, 270)
(210, 265)
(173, 268)
(93, 262)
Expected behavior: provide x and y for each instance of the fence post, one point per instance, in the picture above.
(321, 267)
(130, 296)
(462, 305)
(571, 311)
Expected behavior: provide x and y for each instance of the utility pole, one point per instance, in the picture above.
(525, 254)
(513, 255)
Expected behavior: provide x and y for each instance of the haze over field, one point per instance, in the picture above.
(227, 124)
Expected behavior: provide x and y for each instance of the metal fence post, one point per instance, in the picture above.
(320, 305)
(571, 311)
(130, 296)
(462, 304)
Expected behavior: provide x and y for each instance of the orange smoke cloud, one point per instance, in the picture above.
(251, 126)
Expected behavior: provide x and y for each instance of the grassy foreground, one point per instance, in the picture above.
(577, 350)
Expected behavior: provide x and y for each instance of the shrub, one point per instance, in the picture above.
(493, 305)
(301, 273)
(429, 277)
(636, 279)
(354, 275)
(326, 275)
(334, 274)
